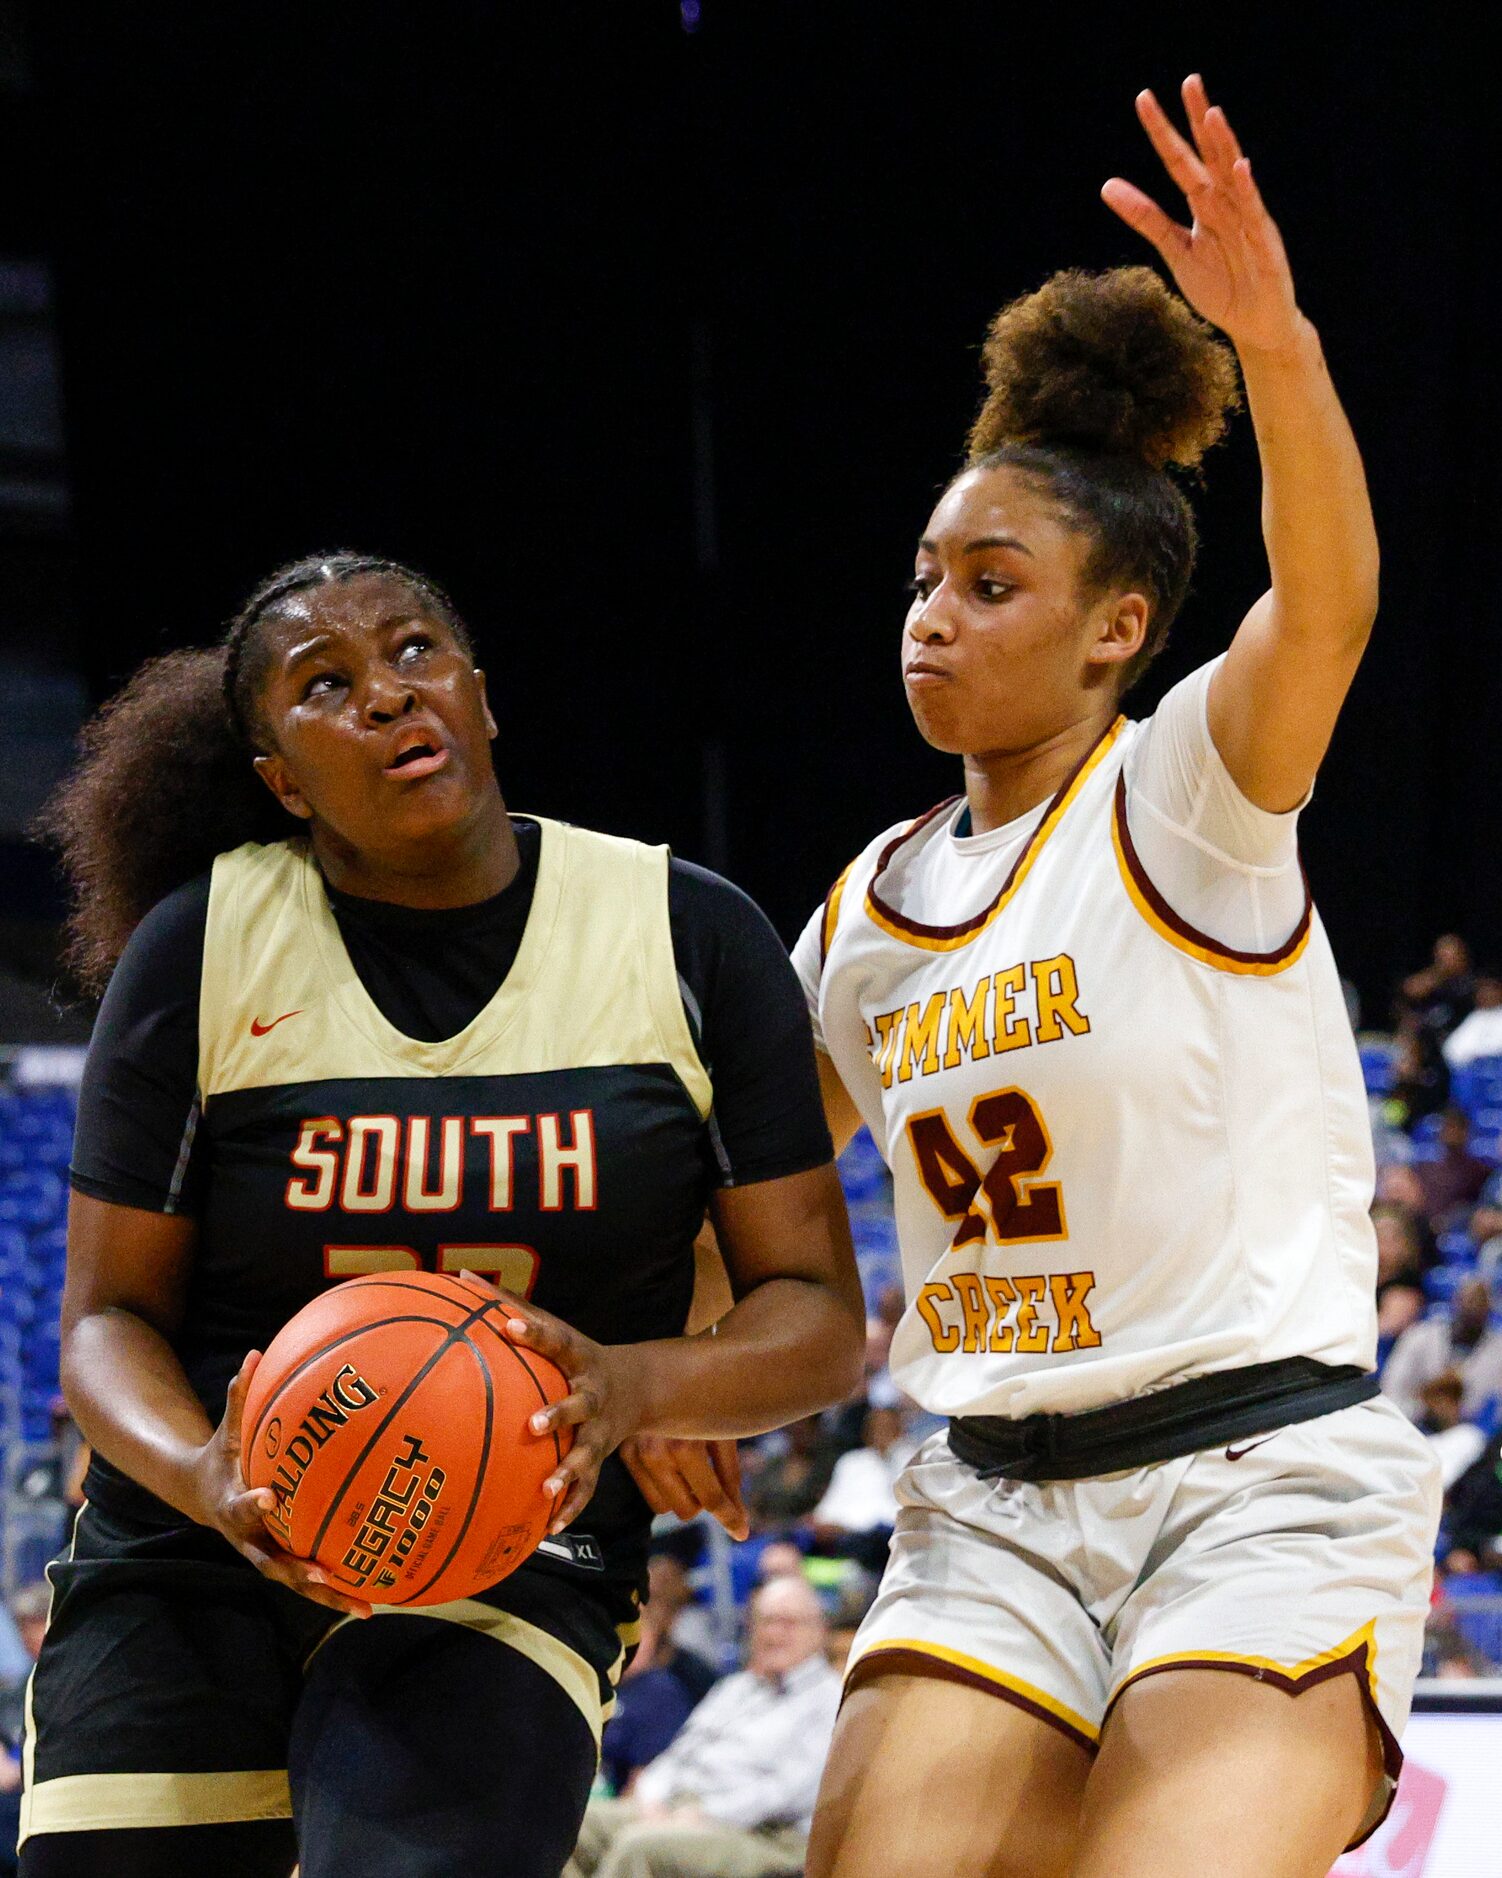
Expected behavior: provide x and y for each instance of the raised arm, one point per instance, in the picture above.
(1274, 701)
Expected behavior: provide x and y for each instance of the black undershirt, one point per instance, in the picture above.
(430, 971)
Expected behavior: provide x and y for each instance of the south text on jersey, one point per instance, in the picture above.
(421, 1164)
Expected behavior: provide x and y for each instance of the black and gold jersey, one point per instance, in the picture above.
(629, 1036)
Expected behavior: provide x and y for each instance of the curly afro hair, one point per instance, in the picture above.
(1111, 362)
(1097, 385)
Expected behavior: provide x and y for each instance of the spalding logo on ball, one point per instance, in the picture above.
(390, 1418)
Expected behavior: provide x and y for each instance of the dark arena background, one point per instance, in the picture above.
(651, 330)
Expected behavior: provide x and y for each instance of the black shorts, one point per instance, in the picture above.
(177, 1689)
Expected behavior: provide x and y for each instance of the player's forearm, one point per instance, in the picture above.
(134, 1404)
(790, 1347)
(1316, 512)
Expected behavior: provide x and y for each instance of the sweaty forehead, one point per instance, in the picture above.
(364, 602)
(987, 503)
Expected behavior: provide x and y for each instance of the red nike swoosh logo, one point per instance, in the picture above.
(1236, 1454)
(258, 1029)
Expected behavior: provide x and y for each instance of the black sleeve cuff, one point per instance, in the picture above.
(124, 1192)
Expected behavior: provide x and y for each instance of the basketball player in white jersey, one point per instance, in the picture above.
(1156, 1595)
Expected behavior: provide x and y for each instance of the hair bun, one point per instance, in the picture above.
(1113, 362)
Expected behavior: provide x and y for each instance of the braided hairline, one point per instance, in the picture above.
(315, 570)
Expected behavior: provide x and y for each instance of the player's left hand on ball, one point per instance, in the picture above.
(687, 1478)
(603, 1405)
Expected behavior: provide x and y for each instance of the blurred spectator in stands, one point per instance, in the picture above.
(29, 1607)
(1480, 1034)
(1400, 1269)
(879, 1328)
(1456, 1442)
(1486, 1231)
(16, 1658)
(852, 1601)
(791, 1476)
(735, 1792)
(1472, 1524)
(1421, 1079)
(26, 1620)
(73, 1455)
(1462, 1340)
(661, 1686)
(780, 1558)
(1398, 1183)
(1457, 1177)
(857, 1514)
(670, 1578)
(1442, 993)
(1453, 1658)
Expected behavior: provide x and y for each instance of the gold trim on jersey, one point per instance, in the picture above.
(578, 1679)
(102, 1802)
(1178, 932)
(971, 1669)
(28, 1712)
(1356, 1654)
(831, 917)
(594, 982)
(950, 938)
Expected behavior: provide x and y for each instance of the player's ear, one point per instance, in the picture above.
(490, 724)
(273, 771)
(1120, 628)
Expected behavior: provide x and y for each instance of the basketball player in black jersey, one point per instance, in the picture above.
(401, 1029)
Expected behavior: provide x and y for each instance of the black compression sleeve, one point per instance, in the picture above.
(138, 1103)
(749, 1014)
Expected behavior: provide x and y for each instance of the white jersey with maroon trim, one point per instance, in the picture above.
(1123, 1153)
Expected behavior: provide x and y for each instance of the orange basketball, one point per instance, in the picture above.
(390, 1420)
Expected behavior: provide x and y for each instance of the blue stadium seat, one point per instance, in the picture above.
(863, 1173)
(1441, 1284)
(1486, 1127)
(1484, 1081)
(1376, 1067)
(1474, 1585)
(1481, 1628)
(32, 1197)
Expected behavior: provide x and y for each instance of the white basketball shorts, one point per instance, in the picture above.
(1291, 1557)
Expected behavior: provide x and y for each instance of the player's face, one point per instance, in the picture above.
(1004, 646)
(379, 722)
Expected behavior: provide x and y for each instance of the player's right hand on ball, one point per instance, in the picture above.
(223, 1500)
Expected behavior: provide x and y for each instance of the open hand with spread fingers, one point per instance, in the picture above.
(1229, 263)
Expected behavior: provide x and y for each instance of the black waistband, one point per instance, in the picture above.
(1205, 1412)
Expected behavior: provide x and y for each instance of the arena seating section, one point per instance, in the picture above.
(36, 1132)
